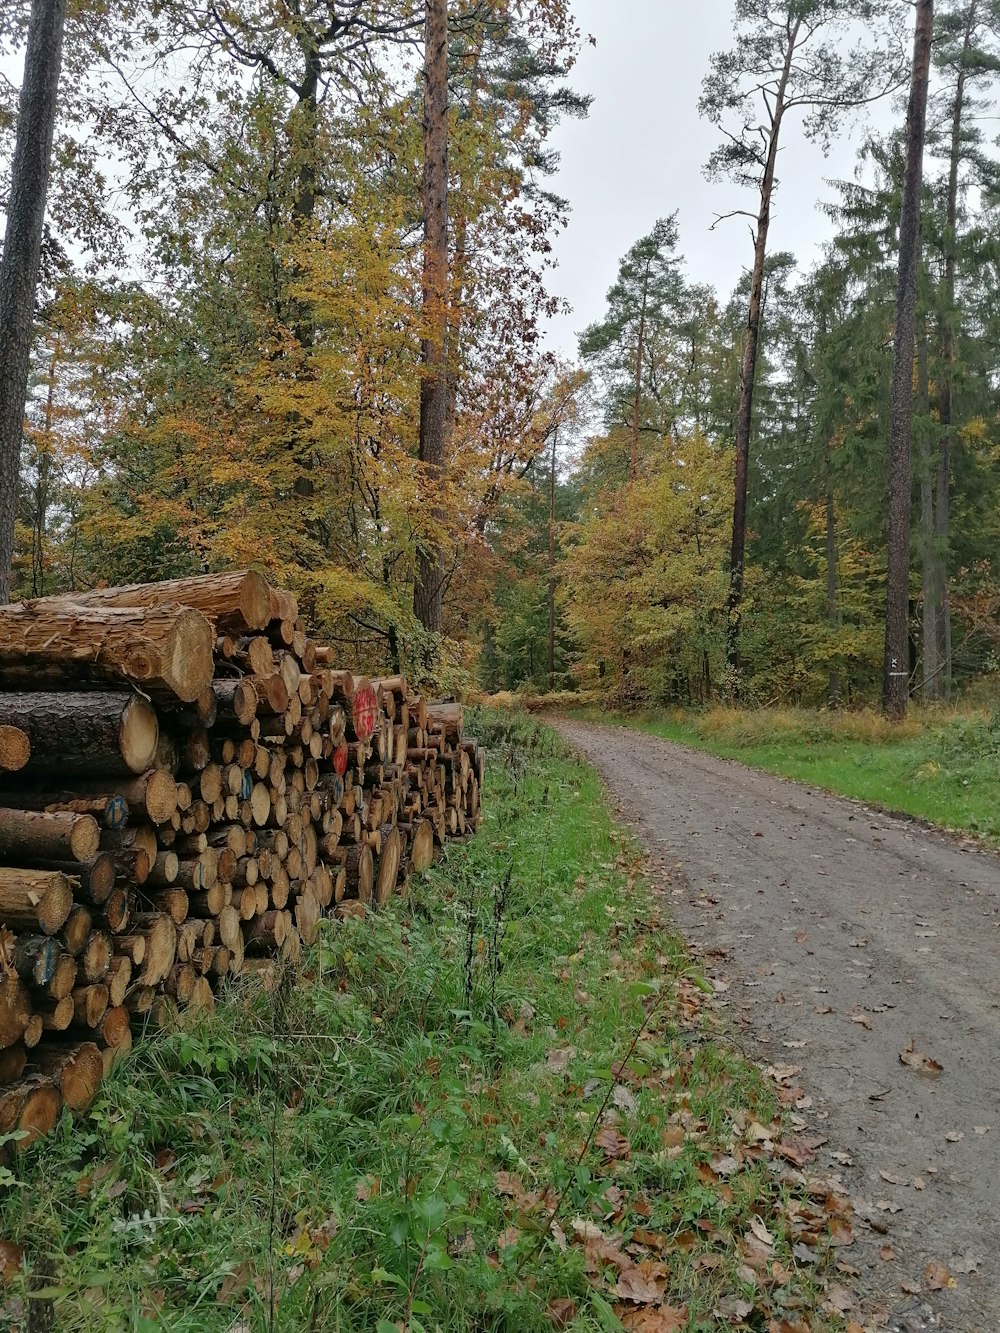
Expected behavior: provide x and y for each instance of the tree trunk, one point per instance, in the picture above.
(946, 407)
(931, 683)
(895, 677)
(429, 586)
(832, 612)
(633, 461)
(552, 561)
(748, 373)
(22, 251)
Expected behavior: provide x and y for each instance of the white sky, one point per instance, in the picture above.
(640, 155)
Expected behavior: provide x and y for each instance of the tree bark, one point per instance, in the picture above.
(748, 372)
(166, 649)
(22, 251)
(832, 612)
(895, 674)
(931, 682)
(428, 590)
(238, 602)
(946, 407)
(77, 733)
(28, 835)
(552, 561)
(633, 461)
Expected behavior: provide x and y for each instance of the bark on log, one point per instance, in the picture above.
(34, 899)
(12, 1062)
(96, 877)
(84, 733)
(238, 602)
(35, 958)
(15, 1009)
(33, 836)
(46, 643)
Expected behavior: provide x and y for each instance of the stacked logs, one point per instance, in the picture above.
(187, 787)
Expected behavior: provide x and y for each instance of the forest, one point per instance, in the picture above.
(252, 318)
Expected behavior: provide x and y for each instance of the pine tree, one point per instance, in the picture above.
(793, 57)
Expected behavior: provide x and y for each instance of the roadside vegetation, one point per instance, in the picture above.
(507, 1103)
(941, 764)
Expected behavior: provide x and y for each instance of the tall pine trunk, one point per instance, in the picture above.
(633, 462)
(429, 586)
(748, 371)
(22, 251)
(552, 560)
(931, 683)
(832, 609)
(895, 672)
(946, 407)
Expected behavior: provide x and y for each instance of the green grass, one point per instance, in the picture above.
(943, 767)
(381, 1143)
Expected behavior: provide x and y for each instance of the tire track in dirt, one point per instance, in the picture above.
(854, 933)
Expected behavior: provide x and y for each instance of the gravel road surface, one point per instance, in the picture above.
(848, 937)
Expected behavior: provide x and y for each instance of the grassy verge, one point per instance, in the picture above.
(504, 1104)
(942, 766)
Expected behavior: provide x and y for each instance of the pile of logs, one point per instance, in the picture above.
(187, 786)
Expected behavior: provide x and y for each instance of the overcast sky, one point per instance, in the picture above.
(640, 155)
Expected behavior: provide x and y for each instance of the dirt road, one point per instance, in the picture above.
(848, 935)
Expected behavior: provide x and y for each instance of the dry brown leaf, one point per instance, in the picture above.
(666, 1319)
(558, 1059)
(614, 1145)
(508, 1238)
(917, 1060)
(839, 1300)
(562, 1312)
(862, 1020)
(938, 1278)
(954, 1136)
(760, 1231)
(368, 1188)
(11, 1259)
(633, 1285)
(673, 1136)
(887, 1254)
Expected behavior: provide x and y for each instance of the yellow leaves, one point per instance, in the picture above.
(646, 572)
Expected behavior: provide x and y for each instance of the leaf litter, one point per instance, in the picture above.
(654, 1259)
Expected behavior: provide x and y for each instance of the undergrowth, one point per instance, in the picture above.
(501, 1105)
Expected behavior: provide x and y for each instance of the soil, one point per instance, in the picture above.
(847, 936)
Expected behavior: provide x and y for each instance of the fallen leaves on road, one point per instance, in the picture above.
(938, 1278)
(917, 1060)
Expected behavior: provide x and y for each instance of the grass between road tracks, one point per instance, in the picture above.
(939, 765)
(507, 1103)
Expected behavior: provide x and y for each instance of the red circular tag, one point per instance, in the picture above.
(364, 712)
